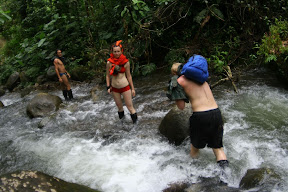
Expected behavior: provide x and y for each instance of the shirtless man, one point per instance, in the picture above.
(63, 75)
(206, 125)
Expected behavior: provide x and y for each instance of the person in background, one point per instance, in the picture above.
(119, 80)
(63, 75)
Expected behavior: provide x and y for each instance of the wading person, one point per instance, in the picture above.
(119, 80)
(206, 124)
(63, 75)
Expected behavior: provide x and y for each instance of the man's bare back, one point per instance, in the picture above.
(200, 95)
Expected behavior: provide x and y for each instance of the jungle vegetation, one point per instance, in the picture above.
(155, 33)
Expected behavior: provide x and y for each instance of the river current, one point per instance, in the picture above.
(77, 144)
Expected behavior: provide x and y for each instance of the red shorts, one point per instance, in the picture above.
(121, 90)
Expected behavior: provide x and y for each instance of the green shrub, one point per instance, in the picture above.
(274, 47)
(175, 56)
(6, 71)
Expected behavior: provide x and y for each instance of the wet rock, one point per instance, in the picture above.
(175, 125)
(264, 177)
(1, 104)
(23, 77)
(43, 122)
(42, 105)
(211, 185)
(2, 91)
(13, 81)
(204, 184)
(176, 187)
(32, 181)
(26, 91)
(80, 73)
(41, 79)
(94, 94)
(51, 74)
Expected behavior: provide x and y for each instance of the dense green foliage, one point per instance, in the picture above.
(155, 33)
(274, 47)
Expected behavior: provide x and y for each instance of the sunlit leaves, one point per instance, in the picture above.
(212, 10)
(4, 16)
(40, 43)
(148, 68)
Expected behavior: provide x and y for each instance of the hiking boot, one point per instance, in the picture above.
(121, 114)
(70, 95)
(65, 92)
(134, 117)
(223, 163)
(224, 172)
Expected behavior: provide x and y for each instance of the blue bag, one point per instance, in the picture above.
(196, 69)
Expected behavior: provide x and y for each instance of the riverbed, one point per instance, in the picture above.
(86, 143)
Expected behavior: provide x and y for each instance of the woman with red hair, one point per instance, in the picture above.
(119, 80)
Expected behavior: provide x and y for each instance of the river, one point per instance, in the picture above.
(137, 158)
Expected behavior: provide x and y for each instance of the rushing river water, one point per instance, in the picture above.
(141, 160)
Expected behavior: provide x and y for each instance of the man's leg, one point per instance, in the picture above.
(219, 153)
(194, 152)
(68, 87)
(65, 94)
(66, 82)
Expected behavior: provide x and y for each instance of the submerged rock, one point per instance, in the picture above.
(260, 177)
(204, 184)
(32, 181)
(175, 125)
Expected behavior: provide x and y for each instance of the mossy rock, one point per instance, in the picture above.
(32, 181)
(258, 177)
(43, 104)
(175, 125)
(81, 73)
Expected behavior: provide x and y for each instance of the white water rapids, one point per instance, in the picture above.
(140, 160)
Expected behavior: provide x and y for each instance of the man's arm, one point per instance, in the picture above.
(180, 104)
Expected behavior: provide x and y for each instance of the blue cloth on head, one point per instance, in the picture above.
(196, 69)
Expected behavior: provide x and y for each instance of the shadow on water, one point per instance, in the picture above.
(86, 143)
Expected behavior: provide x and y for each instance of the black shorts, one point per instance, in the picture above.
(206, 128)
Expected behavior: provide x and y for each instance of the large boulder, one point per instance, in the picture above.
(51, 74)
(2, 91)
(80, 73)
(175, 125)
(203, 184)
(23, 77)
(95, 93)
(42, 105)
(262, 177)
(32, 181)
(41, 79)
(13, 81)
